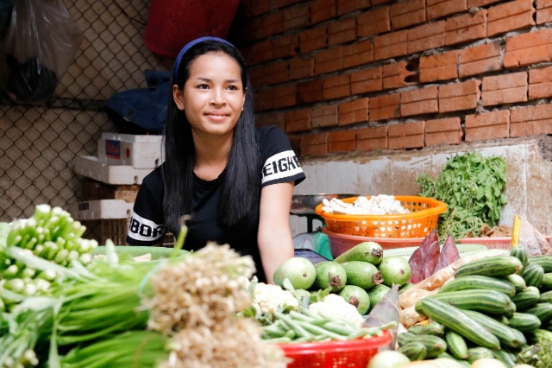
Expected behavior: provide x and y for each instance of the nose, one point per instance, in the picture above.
(217, 97)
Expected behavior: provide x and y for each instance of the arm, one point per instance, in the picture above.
(274, 237)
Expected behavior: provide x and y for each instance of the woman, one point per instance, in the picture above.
(234, 180)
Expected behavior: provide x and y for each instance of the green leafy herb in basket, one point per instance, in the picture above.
(473, 189)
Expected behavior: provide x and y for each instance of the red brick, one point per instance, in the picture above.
(390, 45)
(385, 107)
(309, 92)
(368, 80)
(544, 11)
(338, 86)
(407, 13)
(358, 54)
(342, 31)
(328, 61)
(355, 111)
(443, 132)
(419, 101)
(313, 39)
(540, 83)
(465, 28)
(381, 2)
(261, 52)
(276, 73)
(314, 145)
(396, 75)
(439, 67)
(480, 3)
(252, 8)
(408, 135)
(273, 118)
(426, 37)
(372, 139)
(479, 59)
(284, 96)
(489, 125)
(300, 68)
(441, 8)
(276, 4)
(295, 142)
(348, 6)
(285, 46)
(298, 120)
(531, 120)
(342, 141)
(324, 116)
(510, 16)
(263, 100)
(296, 17)
(373, 22)
(504, 89)
(257, 76)
(270, 25)
(528, 48)
(322, 10)
(459, 96)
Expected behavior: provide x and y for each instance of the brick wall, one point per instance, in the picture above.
(368, 75)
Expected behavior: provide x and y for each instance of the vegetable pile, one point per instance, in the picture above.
(115, 312)
(489, 305)
(473, 189)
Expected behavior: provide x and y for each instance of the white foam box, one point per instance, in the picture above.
(91, 167)
(140, 151)
(101, 209)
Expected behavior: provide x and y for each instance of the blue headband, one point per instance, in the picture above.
(191, 44)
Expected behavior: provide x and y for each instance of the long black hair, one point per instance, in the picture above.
(242, 177)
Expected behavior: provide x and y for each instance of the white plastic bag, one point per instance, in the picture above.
(41, 43)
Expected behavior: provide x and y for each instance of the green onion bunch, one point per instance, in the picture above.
(50, 234)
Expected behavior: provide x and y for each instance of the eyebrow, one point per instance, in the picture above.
(210, 80)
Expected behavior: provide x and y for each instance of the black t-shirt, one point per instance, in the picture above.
(147, 225)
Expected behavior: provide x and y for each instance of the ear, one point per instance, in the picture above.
(178, 97)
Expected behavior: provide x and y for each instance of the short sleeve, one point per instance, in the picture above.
(280, 163)
(147, 224)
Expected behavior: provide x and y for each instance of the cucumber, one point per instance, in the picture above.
(520, 252)
(405, 337)
(457, 345)
(533, 274)
(414, 350)
(357, 296)
(434, 345)
(370, 252)
(432, 328)
(495, 266)
(458, 321)
(330, 275)
(479, 352)
(546, 283)
(507, 357)
(517, 281)
(362, 274)
(543, 311)
(544, 261)
(479, 282)
(508, 336)
(546, 297)
(524, 322)
(488, 301)
(526, 298)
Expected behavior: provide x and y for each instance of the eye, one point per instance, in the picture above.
(202, 86)
(233, 87)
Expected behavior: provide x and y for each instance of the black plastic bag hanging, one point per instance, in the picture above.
(41, 43)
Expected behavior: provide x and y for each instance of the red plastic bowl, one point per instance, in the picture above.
(330, 354)
(339, 243)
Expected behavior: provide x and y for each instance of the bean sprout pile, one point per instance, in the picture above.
(381, 204)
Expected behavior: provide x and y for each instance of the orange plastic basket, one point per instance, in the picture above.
(336, 354)
(420, 221)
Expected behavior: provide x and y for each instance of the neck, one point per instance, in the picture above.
(211, 155)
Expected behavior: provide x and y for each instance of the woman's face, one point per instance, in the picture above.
(213, 96)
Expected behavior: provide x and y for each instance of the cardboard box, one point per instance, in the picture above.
(91, 167)
(139, 151)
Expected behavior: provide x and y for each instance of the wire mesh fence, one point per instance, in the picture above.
(39, 141)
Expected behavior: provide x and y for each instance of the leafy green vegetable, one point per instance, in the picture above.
(473, 189)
